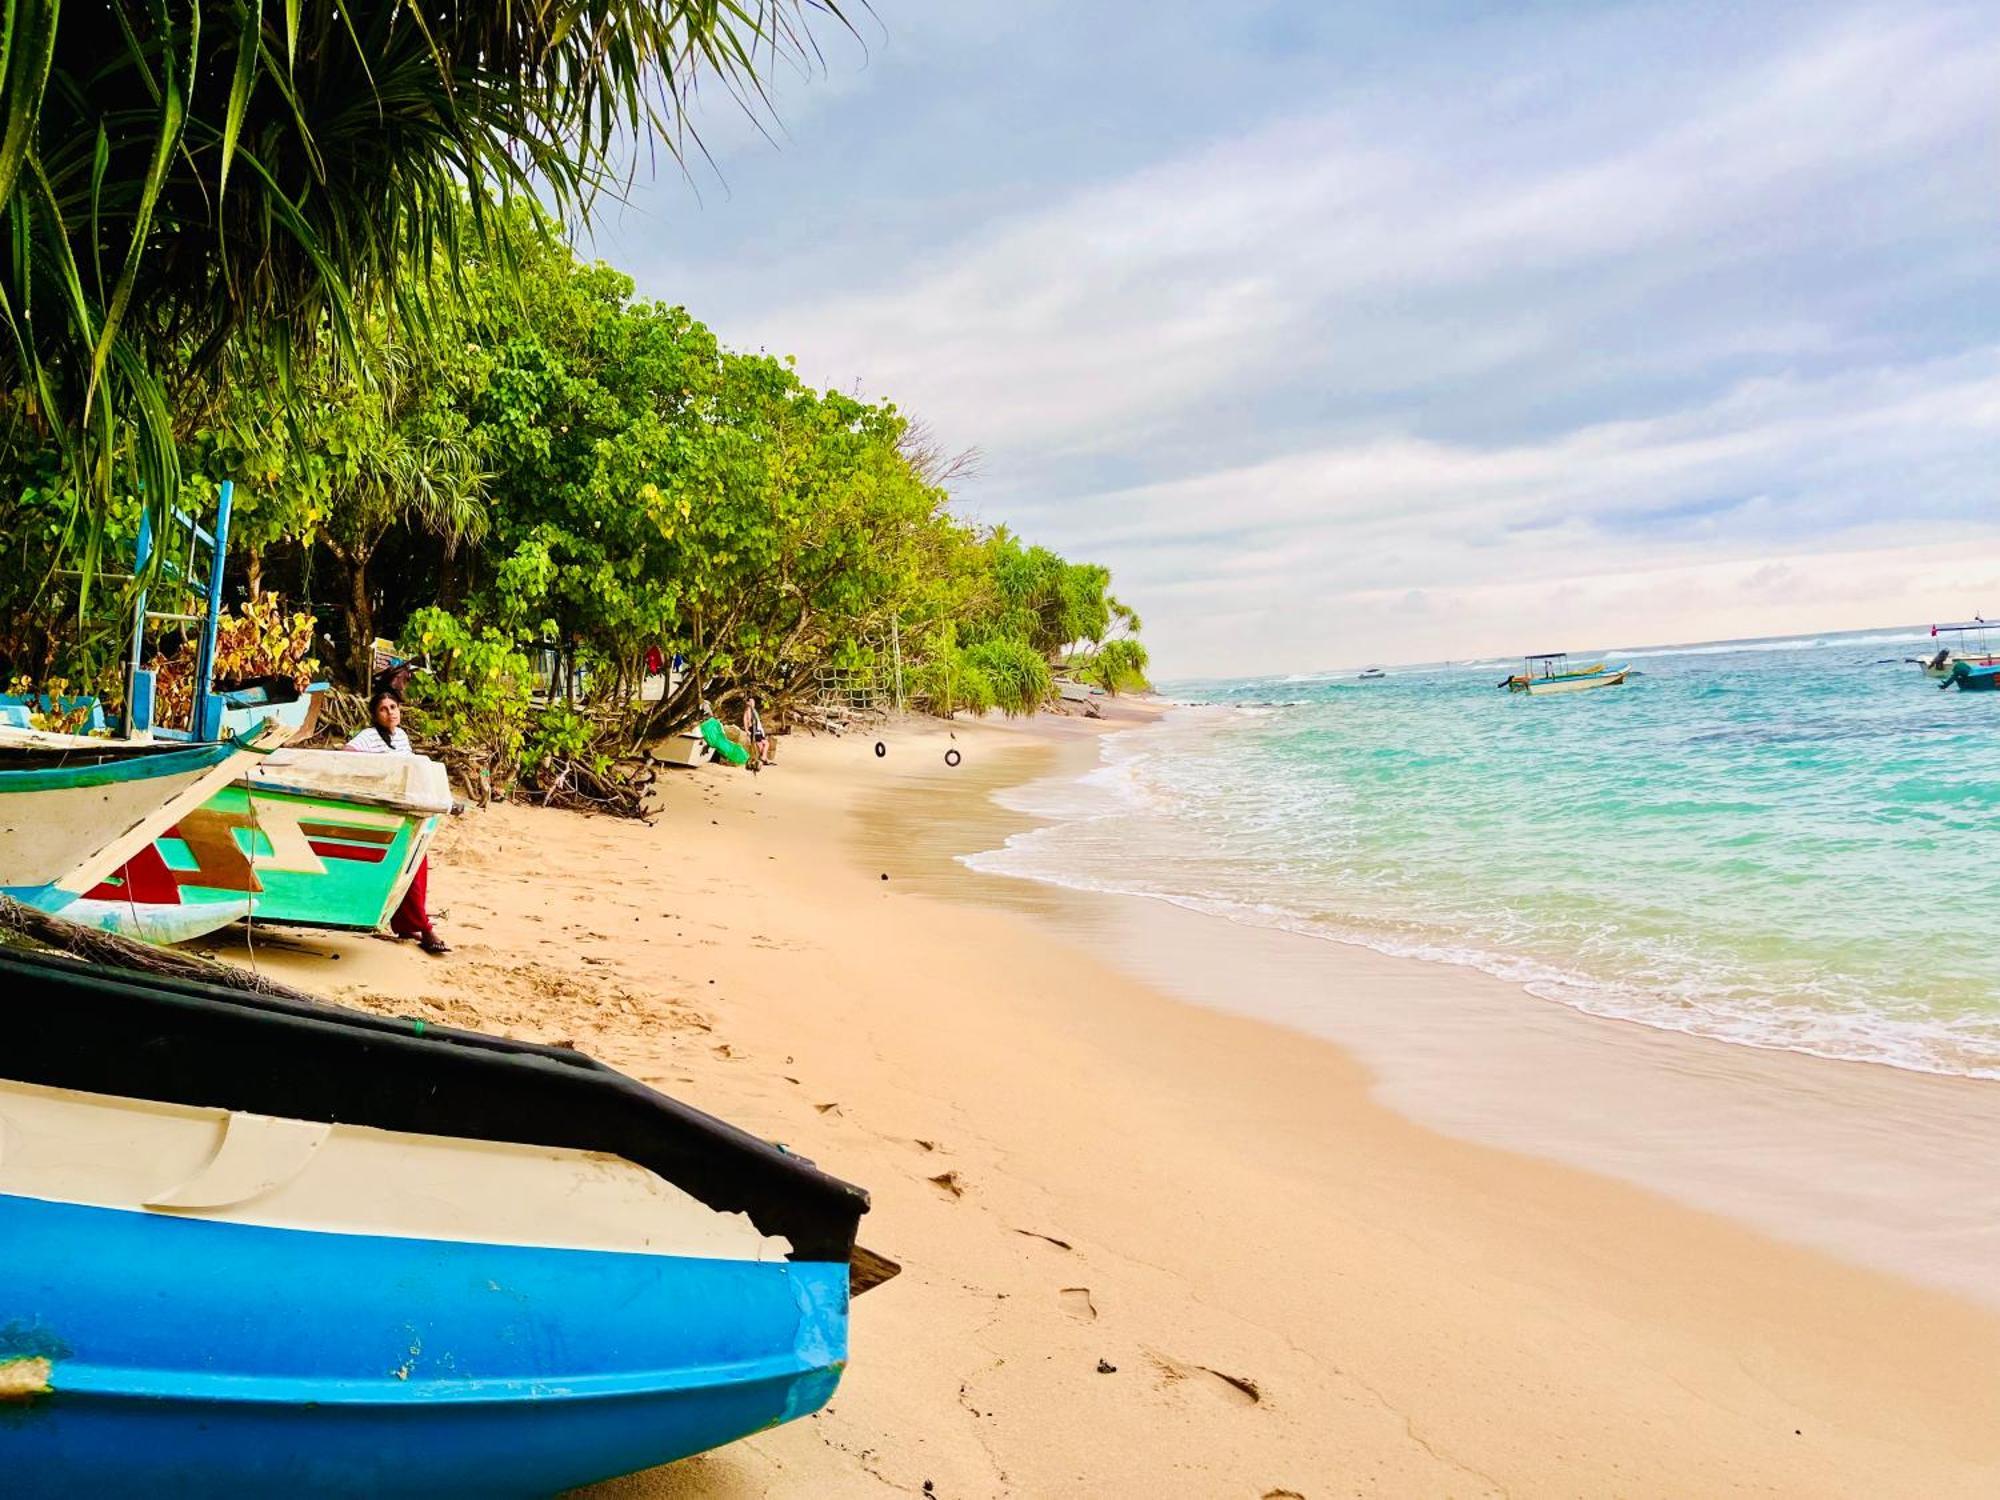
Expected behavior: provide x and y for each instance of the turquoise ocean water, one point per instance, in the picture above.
(1778, 843)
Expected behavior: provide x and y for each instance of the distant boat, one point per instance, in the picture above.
(259, 1246)
(1373, 674)
(1550, 672)
(1966, 641)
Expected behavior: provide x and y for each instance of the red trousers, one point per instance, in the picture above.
(411, 919)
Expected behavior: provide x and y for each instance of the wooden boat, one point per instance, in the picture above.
(314, 838)
(1967, 641)
(1968, 678)
(259, 1246)
(74, 809)
(1549, 672)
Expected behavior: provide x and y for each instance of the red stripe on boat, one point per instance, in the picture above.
(365, 853)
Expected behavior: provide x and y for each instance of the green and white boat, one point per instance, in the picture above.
(309, 838)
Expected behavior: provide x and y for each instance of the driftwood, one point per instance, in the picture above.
(124, 953)
(618, 787)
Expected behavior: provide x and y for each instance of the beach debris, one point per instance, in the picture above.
(95, 946)
(1282, 1495)
(1105, 1367)
(885, 874)
(830, 1108)
(880, 749)
(951, 757)
(1036, 1234)
(949, 1181)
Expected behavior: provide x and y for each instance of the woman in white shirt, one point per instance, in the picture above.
(383, 736)
(386, 736)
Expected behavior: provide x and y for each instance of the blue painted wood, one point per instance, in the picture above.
(142, 765)
(207, 722)
(189, 1357)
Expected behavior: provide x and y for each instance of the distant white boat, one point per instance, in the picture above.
(1373, 674)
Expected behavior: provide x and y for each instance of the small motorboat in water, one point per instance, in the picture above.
(1968, 678)
(1549, 672)
(252, 1245)
(1373, 674)
(1967, 641)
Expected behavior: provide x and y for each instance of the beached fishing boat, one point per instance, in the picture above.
(1968, 641)
(260, 1246)
(1549, 672)
(74, 809)
(312, 838)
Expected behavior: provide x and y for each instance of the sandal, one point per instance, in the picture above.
(431, 943)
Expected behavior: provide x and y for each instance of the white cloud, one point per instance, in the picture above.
(1579, 331)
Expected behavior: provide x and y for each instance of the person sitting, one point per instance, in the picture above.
(385, 735)
(753, 726)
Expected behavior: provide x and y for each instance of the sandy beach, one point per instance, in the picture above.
(1151, 1248)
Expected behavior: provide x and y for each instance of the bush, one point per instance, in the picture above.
(1019, 674)
(474, 699)
(1117, 667)
(947, 682)
(252, 640)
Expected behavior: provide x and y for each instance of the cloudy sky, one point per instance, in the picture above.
(1402, 330)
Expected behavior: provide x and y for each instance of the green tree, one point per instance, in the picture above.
(191, 186)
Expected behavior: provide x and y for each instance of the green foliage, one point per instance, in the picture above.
(560, 732)
(476, 698)
(192, 187)
(1116, 666)
(549, 461)
(1018, 673)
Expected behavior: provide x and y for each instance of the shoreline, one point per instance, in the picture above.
(1299, 1291)
(1885, 1166)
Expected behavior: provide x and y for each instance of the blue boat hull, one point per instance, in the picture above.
(192, 1357)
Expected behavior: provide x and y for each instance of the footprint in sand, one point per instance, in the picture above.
(1237, 1390)
(1283, 1495)
(1075, 1300)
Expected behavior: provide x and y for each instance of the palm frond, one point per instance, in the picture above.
(207, 182)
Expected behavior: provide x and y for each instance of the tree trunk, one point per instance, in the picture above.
(359, 615)
(253, 570)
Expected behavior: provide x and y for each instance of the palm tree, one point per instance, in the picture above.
(189, 184)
